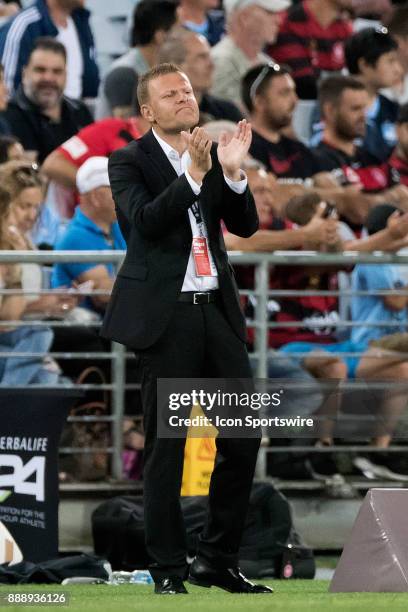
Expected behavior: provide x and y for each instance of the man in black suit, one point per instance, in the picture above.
(180, 313)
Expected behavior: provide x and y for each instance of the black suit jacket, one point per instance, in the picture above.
(152, 208)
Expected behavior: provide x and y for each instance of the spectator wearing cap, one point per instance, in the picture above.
(251, 24)
(310, 41)
(68, 22)
(151, 23)
(203, 17)
(93, 227)
(39, 114)
(100, 138)
(191, 52)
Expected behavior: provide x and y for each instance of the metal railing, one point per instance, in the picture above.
(118, 355)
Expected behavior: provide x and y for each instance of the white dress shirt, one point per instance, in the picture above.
(68, 36)
(192, 282)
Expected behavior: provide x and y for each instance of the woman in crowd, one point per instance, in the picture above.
(22, 339)
(26, 187)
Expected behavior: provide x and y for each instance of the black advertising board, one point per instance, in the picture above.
(31, 422)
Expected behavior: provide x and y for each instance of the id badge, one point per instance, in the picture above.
(201, 257)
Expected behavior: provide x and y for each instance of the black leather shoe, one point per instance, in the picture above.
(231, 579)
(172, 585)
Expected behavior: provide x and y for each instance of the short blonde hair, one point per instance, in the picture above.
(154, 73)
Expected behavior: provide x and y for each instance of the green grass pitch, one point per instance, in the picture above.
(289, 596)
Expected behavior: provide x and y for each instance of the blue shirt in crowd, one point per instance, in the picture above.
(212, 28)
(82, 234)
(371, 308)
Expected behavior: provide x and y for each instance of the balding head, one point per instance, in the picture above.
(174, 49)
(191, 52)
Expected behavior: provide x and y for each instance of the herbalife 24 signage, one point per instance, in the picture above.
(30, 428)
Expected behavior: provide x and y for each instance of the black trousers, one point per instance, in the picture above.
(199, 342)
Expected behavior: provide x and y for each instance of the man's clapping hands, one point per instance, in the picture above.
(231, 152)
(198, 144)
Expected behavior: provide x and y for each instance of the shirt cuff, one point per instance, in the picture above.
(194, 186)
(237, 186)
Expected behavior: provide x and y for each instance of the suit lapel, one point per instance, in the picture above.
(206, 195)
(167, 173)
(163, 170)
(157, 157)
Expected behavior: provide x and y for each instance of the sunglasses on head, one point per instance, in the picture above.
(28, 169)
(381, 31)
(271, 68)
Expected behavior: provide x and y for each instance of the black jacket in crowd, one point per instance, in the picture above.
(37, 132)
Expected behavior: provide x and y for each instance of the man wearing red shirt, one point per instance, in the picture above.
(311, 40)
(97, 139)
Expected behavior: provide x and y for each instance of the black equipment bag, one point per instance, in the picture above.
(270, 546)
(54, 571)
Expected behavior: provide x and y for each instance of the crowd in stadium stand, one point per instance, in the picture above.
(324, 84)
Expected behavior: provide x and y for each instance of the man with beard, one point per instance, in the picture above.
(39, 114)
(269, 93)
(68, 22)
(270, 96)
(344, 102)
